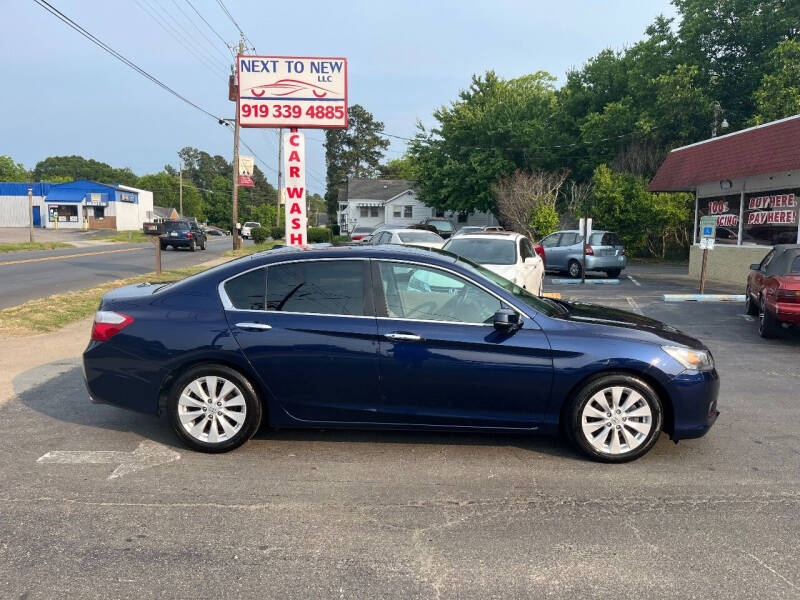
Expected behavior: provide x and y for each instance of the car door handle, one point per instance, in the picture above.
(403, 337)
(259, 326)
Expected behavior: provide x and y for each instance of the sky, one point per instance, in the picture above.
(62, 95)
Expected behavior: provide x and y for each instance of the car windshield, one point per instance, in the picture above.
(485, 251)
(411, 237)
(252, 224)
(442, 225)
(362, 230)
(175, 226)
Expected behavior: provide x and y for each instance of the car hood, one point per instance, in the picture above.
(507, 271)
(626, 324)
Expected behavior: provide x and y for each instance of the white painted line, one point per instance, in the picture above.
(634, 305)
(588, 281)
(750, 318)
(636, 283)
(147, 454)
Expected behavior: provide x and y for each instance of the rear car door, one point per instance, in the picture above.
(312, 337)
(561, 251)
(441, 360)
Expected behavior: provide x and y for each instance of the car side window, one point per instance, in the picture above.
(767, 259)
(568, 239)
(525, 250)
(246, 292)
(428, 294)
(550, 241)
(331, 287)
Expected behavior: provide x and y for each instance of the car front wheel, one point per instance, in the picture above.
(615, 418)
(750, 307)
(574, 269)
(213, 409)
(768, 325)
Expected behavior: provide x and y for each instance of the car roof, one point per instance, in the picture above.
(407, 230)
(492, 235)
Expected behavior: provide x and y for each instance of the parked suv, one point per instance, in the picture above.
(604, 252)
(247, 229)
(183, 234)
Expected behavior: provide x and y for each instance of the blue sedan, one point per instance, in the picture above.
(392, 338)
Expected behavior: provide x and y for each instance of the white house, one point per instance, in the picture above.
(373, 202)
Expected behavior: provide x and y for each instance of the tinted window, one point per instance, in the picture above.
(252, 224)
(442, 225)
(485, 251)
(324, 287)
(427, 294)
(525, 249)
(568, 239)
(246, 291)
(767, 259)
(176, 226)
(604, 239)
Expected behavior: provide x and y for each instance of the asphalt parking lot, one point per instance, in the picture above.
(347, 514)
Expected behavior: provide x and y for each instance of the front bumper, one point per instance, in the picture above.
(694, 403)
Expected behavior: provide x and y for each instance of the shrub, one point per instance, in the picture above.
(319, 234)
(260, 234)
(335, 230)
(276, 232)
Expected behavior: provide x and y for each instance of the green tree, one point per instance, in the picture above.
(778, 96)
(77, 167)
(399, 168)
(11, 171)
(353, 152)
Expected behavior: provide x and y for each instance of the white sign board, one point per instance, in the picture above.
(294, 166)
(583, 223)
(291, 91)
(246, 165)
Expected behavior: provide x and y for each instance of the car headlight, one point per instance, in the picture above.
(697, 360)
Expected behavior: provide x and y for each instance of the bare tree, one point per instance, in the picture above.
(640, 157)
(573, 203)
(523, 195)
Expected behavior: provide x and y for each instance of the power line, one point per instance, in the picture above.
(200, 31)
(61, 16)
(222, 39)
(230, 16)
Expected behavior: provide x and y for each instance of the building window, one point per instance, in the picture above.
(770, 218)
(396, 212)
(364, 211)
(726, 209)
(373, 211)
(440, 213)
(408, 212)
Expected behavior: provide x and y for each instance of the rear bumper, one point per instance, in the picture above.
(177, 242)
(787, 312)
(694, 397)
(601, 263)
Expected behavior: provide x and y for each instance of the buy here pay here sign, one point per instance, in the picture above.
(287, 91)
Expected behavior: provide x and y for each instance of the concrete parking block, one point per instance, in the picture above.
(703, 297)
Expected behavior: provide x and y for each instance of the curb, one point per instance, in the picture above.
(588, 281)
(703, 297)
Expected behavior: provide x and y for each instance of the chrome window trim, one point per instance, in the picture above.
(228, 305)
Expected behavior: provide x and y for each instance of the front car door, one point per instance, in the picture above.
(311, 338)
(531, 266)
(441, 360)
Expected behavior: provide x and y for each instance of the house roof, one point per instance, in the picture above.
(768, 148)
(164, 213)
(377, 189)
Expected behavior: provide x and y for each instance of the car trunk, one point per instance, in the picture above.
(606, 244)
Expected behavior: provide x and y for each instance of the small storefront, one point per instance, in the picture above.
(749, 181)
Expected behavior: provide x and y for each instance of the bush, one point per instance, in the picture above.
(335, 230)
(276, 232)
(317, 235)
(259, 234)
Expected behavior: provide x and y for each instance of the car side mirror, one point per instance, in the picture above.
(755, 267)
(506, 320)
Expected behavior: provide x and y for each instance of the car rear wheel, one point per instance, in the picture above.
(213, 408)
(768, 325)
(575, 269)
(750, 307)
(615, 418)
(613, 273)
(193, 246)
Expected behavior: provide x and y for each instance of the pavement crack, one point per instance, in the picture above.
(770, 569)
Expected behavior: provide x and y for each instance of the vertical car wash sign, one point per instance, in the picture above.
(292, 91)
(294, 148)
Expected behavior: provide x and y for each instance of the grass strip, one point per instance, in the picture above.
(22, 246)
(126, 237)
(247, 250)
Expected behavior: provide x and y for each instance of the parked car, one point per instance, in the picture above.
(506, 253)
(182, 234)
(407, 237)
(604, 252)
(360, 232)
(224, 350)
(476, 229)
(214, 232)
(444, 227)
(773, 289)
(247, 229)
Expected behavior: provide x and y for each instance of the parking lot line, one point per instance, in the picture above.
(636, 283)
(634, 305)
(703, 297)
(30, 260)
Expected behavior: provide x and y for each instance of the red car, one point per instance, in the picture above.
(773, 289)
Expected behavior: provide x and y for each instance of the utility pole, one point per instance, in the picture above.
(180, 187)
(30, 212)
(237, 241)
(280, 172)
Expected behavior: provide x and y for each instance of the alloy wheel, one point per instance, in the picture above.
(616, 420)
(574, 270)
(212, 409)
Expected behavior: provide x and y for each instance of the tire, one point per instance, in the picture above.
(163, 246)
(203, 245)
(750, 307)
(574, 269)
(636, 427)
(191, 393)
(768, 326)
(613, 273)
(193, 246)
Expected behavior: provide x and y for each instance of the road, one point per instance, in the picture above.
(69, 269)
(348, 514)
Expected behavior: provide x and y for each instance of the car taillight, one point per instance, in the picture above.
(792, 296)
(624, 252)
(108, 324)
(189, 235)
(589, 250)
(540, 251)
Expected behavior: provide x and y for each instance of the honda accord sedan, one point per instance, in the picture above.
(349, 337)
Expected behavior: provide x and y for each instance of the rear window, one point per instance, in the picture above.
(442, 225)
(604, 239)
(252, 224)
(175, 226)
(485, 252)
(409, 237)
(325, 287)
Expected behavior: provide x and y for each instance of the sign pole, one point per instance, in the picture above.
(280, 174)
(703, 271)
(237, 241)
(30, 213)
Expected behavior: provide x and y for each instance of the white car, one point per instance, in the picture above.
(248, 227)
(506, 253)
(408, 237)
